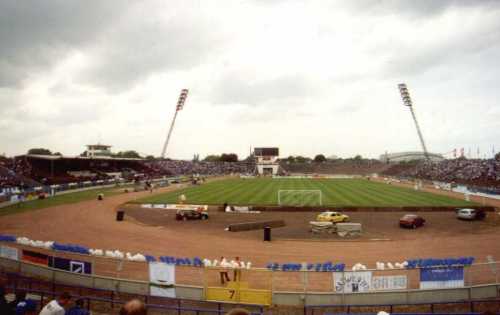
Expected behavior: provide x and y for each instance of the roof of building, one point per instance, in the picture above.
(60, 157)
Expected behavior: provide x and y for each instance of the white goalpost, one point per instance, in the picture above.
(300, 197)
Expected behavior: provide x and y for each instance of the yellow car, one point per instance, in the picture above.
(332, 216)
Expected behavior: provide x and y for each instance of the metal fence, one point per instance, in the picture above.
(288, 281)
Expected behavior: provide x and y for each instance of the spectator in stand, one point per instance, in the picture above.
(475, 173)
(133, 307)
(19, 297)
(4, 306)
(26, 307)
(56, 307)
(78, 309)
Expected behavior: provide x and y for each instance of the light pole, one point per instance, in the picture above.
(405, 95)
(180, 105)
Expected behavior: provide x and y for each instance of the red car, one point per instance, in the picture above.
(411, 221)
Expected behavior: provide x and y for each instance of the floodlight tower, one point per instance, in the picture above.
(180, 105)
(405, 95)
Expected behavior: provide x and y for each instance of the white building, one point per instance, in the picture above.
(266, 160)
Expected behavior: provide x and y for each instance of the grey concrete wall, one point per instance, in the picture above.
(36, 271)
(279, 297)
(189, 292)
(73, 279)
(9, 265)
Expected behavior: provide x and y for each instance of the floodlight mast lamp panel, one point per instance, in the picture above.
(180, 105)
(405, 95)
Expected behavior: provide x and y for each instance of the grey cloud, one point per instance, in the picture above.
(34, 35)
(243, 89)
(129, 54)
(178, 39)
(419, 56)
(413, 8)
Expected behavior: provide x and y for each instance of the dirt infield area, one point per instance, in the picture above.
(92, 223)
(376, 225)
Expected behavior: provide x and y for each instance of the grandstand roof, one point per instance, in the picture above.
(409, 155)
(60, 157)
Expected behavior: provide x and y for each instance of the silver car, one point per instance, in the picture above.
(470, 214)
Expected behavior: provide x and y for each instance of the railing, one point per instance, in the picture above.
(94, 300)
(466, 307)
(49, 290)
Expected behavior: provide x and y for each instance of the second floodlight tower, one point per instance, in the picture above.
(405, 95)
(179, 106)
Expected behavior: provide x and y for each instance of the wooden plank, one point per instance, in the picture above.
(257, 225)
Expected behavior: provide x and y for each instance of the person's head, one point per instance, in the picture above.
(20, 295)
(29, 308)
(80, 303)
(238, 311)
(64, 299)
(133, 307)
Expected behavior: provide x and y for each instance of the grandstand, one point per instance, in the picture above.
(410, 156)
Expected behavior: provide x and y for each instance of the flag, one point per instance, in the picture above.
(36, 258)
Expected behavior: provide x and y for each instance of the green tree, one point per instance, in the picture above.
(150, 157)
(320, 158)
(229, 157)
(130, 154)
(497, 156)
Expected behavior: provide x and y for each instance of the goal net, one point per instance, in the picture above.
(300, 198)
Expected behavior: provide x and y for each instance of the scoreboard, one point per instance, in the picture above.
(266, 151)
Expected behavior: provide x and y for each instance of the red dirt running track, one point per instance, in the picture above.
(92, 223)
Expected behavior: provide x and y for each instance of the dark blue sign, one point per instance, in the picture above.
(70, 265)
(442, 274)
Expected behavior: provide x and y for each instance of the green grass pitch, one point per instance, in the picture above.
(335, 192)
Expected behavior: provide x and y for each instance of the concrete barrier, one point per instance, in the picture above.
(279, 297)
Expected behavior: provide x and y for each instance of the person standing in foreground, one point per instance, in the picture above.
(133, 307)
(4, 306)
(56, 307)
(78, 308)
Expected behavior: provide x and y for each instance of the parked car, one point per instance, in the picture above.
(191, 215)
(411, 221)
(471, 214)
(332, 216)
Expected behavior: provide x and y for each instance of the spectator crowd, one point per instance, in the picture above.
(471, 172)
(180, 167)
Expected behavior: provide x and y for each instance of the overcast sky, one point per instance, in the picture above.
(306, 76)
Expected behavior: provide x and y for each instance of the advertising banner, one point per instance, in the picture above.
(186, 207)
(71, 265)
(36, 258)
(9, 252)
(438, 278)
(380, 283)
(349, 282)
(162, 279)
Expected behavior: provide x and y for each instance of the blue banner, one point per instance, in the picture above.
(442, 274)
(70, 265)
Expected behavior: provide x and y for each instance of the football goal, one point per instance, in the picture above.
(300, 198)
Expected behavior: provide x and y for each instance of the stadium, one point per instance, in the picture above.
(273, 232)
